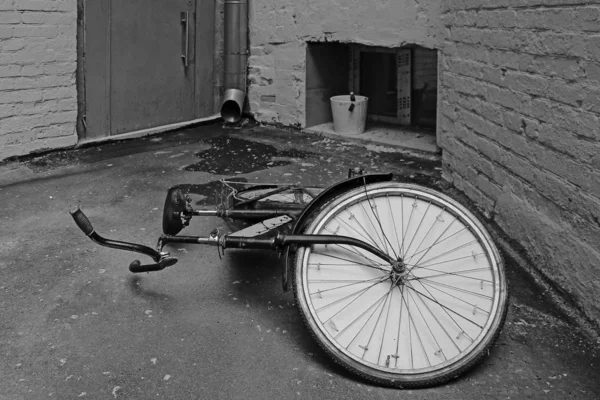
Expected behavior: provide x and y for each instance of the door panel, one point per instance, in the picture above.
(134, 75)
(96, 61)
(150, 85)
(205, 50)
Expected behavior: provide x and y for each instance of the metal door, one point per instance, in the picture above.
(148, 63)
(152, 81)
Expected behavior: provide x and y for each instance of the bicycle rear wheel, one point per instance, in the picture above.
(419, 322)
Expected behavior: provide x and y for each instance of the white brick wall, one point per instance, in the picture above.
(279, 30)
(38, 58)
(520, 128)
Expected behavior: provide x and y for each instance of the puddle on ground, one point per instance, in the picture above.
(238, 156)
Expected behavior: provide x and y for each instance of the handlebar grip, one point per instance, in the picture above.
(82, 221)
(136, 267)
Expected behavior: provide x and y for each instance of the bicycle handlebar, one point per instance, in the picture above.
(162, 260)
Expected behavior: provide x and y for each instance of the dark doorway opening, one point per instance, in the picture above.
(327, 75)
(401, 84)
(379, 82)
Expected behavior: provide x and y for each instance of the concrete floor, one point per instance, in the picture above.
(75, 323)
(409, 139)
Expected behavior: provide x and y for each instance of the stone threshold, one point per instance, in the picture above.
(412, 139)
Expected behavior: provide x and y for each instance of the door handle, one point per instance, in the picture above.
(185, 20)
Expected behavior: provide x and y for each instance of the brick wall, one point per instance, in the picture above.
(520, 128)
(38, 98)
(280, 29)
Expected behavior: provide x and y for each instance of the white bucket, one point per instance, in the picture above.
(346, 121)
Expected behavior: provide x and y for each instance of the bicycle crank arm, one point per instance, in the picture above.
(161, 259)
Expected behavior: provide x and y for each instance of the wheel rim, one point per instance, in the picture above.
(432, 309)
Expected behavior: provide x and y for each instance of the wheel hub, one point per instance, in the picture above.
(398, 272)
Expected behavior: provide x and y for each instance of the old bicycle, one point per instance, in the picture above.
(399, 283)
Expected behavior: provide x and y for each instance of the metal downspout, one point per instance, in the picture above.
(236, 56)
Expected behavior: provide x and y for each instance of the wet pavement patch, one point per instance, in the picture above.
(239, 156)
(51, 161)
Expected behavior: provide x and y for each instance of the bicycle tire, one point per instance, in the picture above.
(444, 318)
(174, 204)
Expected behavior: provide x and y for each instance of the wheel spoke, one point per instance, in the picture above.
(387, 296)
(374, 210)
(446, 307)
(438, 218)
(418, 227)
(402, 225)
(427, 325)
(394, 223)
(390, 294)
(426, 250)
(439, 322)
(319, 292)
(373, 226)
(353, 261)
(474, 306)
(375, 304)
(455, 273)
(462, 330)
(462, 246)
(412, 211)
(397, 355)
(367, 321)
(444, 262)
(318, 265)
(351, 249)
(411, 319)
(368, 237)
(360, 293)
(456, 288)
(337, 281)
